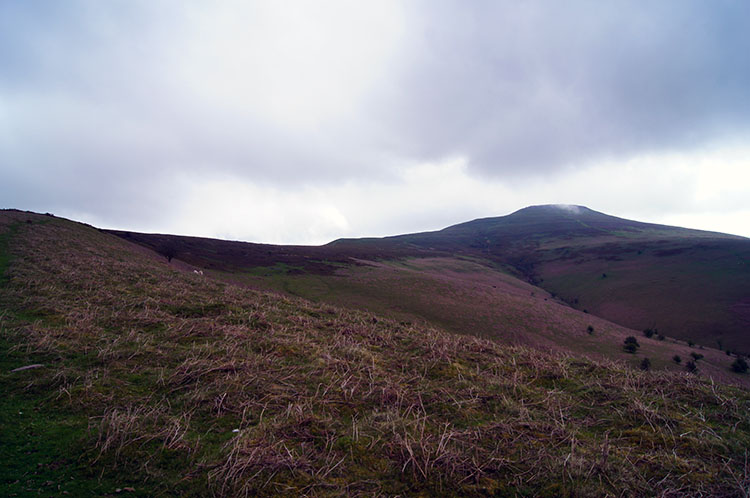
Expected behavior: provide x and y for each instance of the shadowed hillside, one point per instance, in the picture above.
(224, 255)
(121, 372)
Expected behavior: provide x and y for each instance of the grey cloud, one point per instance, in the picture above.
(92, 114)
(529, 87)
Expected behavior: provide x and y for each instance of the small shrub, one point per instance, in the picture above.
(648, 333)
(660, 337)
(590, 330)
(729, 353)
(740, 365)
(631, 344)
(676, 358)
(646, 364)
(690, 343)
(691, 366)
(696, 356)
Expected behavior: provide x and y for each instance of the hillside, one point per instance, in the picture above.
(469, 297)
(157, 381)
(689, 284)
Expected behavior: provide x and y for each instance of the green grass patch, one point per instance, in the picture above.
(197, 310)
(275, 270)
(45, 446)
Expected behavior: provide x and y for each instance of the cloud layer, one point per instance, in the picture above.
(336, 118)
(525, 87)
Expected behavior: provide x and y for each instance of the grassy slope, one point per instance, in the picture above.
(687, 289)
(469, 297)
(148, 371)
(689, 283)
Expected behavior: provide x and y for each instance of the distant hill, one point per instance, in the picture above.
(688, 284)
(125, 374)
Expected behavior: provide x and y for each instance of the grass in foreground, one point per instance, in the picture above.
(162, 383)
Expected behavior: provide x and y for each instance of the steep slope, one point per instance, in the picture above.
(161, 382)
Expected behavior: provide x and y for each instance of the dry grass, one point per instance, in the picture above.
(467, 297)
(212, 388)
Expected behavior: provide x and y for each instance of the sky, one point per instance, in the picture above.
(300, 122)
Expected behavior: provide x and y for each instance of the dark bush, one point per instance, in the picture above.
(646, 364)
(649, 333)
(691, 366)
(696, 356)
(630, 348)
(660, 337)
(590, 330)
(631, 344)
(739, 365)
(690, 343)
(676, 358)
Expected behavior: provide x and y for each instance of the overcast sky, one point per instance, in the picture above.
(306, 121)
